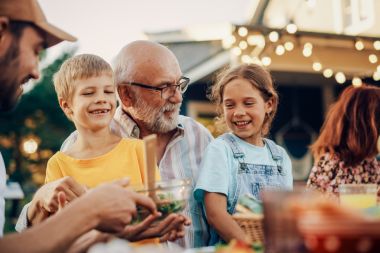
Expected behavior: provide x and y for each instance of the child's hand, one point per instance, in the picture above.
(46, 201)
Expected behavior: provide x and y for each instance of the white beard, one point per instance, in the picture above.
(154, 118)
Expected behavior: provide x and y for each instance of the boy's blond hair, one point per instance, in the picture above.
(79, 67)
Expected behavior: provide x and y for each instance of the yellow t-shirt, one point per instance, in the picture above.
(126, 159)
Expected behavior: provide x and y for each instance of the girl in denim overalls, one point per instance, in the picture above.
(241, 161)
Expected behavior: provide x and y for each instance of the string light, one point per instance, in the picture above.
(289, 46)
(372, 58)
(273, 36)
(291, 28)
(266, 60)
(280, 50)
(328, 73)
(317, 66)
(243, 44)
(357, 82)
(238, 46)
(340, 77)
(376, 76)
(376, 44)
(242, 31)
(359, 45)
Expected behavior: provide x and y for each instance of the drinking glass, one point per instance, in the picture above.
(358, 196)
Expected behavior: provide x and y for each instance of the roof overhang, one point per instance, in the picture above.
(335, 52)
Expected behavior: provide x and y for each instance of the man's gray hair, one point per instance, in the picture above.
(120, 69)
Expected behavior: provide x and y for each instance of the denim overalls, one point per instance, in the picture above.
(251, 178)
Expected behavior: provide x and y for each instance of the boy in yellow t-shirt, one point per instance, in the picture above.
(86, 93)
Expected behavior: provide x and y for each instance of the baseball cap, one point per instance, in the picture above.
(30, 11)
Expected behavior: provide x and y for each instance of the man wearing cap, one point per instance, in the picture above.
(24, 33)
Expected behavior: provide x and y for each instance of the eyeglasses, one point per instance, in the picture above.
(167, 90)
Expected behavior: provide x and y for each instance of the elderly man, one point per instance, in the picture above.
(150, 86)
(24, 33)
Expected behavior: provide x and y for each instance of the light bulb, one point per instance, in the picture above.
(266, 60)
(273, 36)
(372, 58)
(376, 76)
(340, 77)
(328, 73)
(356, 81)
(291, 28)
(242, 31)
(359, 45)
(307, 51)
(289, 46)
(376, 44)
(280, 50)
(317, 66)
(243, 44)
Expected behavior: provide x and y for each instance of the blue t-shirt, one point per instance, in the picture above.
(219, 170)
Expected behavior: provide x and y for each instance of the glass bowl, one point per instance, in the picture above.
(170, 196)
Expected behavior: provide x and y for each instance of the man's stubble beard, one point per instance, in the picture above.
(9, 84)
(154, 118)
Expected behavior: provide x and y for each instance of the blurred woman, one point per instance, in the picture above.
(345, 151)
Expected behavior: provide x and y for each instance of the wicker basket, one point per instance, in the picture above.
(252, 225)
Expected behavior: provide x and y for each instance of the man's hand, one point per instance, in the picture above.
(171, 228)
(115, 206)
(48, 199)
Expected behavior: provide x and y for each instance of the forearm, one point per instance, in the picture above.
(226, 227)
(56, 234)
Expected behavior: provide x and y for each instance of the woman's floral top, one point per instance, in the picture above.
(330, 172)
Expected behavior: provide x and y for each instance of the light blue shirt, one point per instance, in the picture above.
(219, 170)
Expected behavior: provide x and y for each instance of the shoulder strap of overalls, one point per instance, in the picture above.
(238, 154)
(275, 152)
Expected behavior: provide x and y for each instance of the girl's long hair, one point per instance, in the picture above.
(351, 128)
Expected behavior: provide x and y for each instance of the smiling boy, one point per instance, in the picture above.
(86, 94)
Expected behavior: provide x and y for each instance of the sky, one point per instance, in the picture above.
(103, 27)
